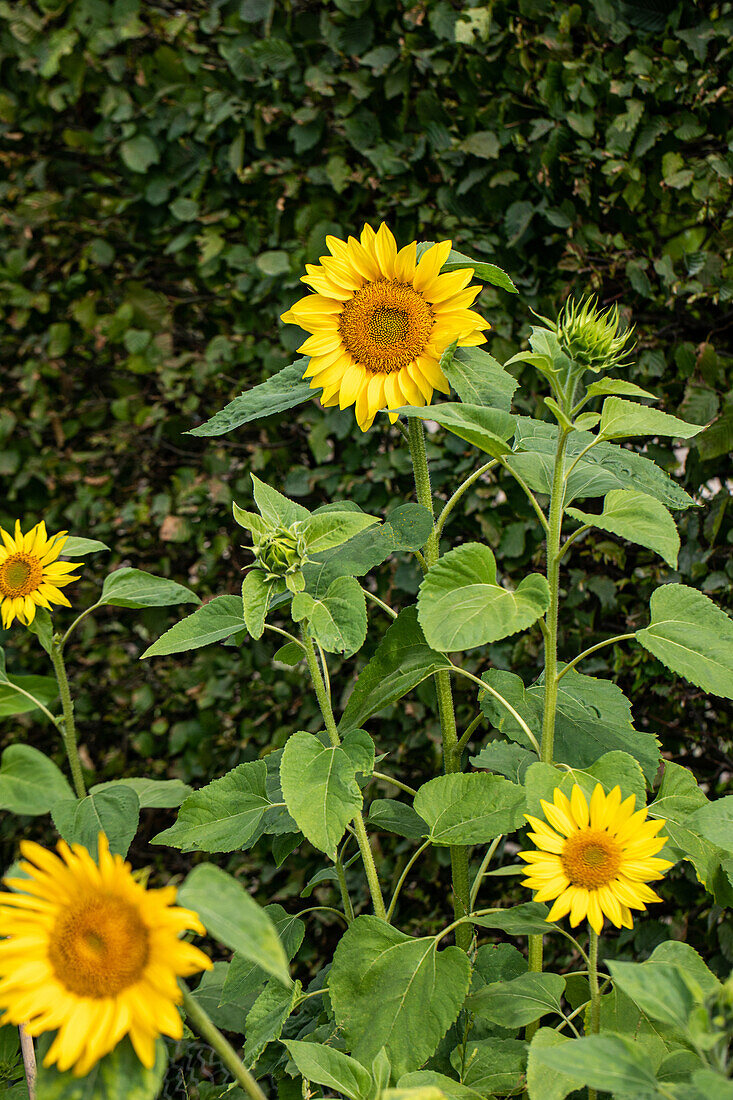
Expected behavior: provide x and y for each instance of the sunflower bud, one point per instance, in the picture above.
(590, 336)
(281, 552)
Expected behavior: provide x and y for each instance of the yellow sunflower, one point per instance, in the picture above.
(595, 861)
(380, 321)
(30, 575)
(93, 955)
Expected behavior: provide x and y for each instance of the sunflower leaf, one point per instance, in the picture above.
(283, 390)
(134, 588)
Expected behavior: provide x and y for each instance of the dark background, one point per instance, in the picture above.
(166, 171)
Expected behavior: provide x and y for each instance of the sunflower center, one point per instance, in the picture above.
(99, 946)
(20, 574)
(591, 858)
(386, 325)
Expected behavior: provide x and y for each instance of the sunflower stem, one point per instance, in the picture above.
(201, 1022)
(554, 530)
(595, 995)
(360, 832)
(69, 726)
(29, 1061)
(451, 755)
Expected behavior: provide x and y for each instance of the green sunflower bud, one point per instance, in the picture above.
(590, 336)
(281, 552)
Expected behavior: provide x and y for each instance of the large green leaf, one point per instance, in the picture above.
(282, 391)
(210, 995)
(638, 518)
(520, 1000)
(605, 467)
(617, 387)
(610, 1063)
(134, 588)
(326, 530)
(276, 508)
(256, 590)
(232, 916)
(428, 1084)
(610, 770)
(245, 979)
(389, 990)
(267, 1016)
(224, 816)
(213, 621)
(527, 919)
(714, 822)
(392, 816)
(593, 717)
(75, 547)
(331, 1068)
(153, 794)
(479, 379)
(320, 787)
(402, 661)
(30, 783)
(544, 1083)
(120, 1075)
(460, 605)
(621, 419)
(662, 991)
(114, 811)
(692, 636)
(679, 798)
(470, 809)
(337, 619)
(485, 428)
(487, 273)
(492, 1065)
(405, 528)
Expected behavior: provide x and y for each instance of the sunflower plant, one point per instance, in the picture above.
(549, 787)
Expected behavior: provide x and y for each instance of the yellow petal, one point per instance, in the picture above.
(430, 264)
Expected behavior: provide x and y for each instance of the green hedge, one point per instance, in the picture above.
(165, 173)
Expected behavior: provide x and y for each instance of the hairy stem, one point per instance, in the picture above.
(29, 1061)
(324, 702)
(451, 755)
(69, 727)
(595, 996)
(550, 635)
(202, 1023)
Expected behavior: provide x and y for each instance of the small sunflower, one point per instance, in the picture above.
(30, 575)
(598, 861)
(93, 955)
(380, 321)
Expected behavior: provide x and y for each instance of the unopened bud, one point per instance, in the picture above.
(590, 336)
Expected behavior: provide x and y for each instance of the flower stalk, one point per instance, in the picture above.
(446, 711)
(69, 726)
(202, 1023)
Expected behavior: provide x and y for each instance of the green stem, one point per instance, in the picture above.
(410, 863)
(345, 899)
(451, 755)
(482, 869)
(36, 702)
(554, 530)
(469, 732)
(595, 996)
(450, 505)
(360, 832)
(202, 1023)
(395, 783)
(528, 493)
(593, 648)
(553, 580)
(69, 727)
(380, 603)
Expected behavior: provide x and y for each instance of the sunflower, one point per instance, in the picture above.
(380, 321)
(30, 575)
(595, 861)
(93, 955)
